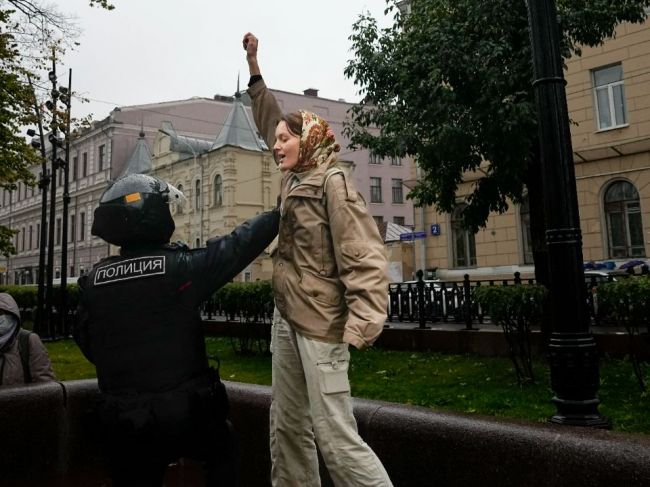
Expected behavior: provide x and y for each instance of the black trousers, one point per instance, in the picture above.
(145, 434)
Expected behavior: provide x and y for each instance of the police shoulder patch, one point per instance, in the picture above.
(136, 268)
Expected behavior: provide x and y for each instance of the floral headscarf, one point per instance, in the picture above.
(317, 142)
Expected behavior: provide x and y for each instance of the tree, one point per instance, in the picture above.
(450, 84)
(29, 30)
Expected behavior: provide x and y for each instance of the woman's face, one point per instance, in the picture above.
(286, 148)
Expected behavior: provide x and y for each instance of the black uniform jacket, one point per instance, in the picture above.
(138, 318)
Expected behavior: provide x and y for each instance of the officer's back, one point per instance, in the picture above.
(138, 322)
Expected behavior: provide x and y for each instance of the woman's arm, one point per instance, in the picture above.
(361, 261)
(250, 43)
(266, 110)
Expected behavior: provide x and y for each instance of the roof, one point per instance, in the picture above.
(140, 160)
(239, 131)
(390, 232)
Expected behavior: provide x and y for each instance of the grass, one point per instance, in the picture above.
(461, 383)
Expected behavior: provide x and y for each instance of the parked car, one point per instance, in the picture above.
(598, 277)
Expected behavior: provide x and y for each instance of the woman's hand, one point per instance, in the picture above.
(250, 45)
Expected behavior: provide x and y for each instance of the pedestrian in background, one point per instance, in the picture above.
(23, 357)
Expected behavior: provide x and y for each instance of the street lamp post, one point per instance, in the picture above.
(54, 140)
(572, 350)
(66, 98)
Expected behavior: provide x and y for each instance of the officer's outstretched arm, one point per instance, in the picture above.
(227, 256)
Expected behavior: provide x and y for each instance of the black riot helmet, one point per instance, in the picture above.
(134, 210)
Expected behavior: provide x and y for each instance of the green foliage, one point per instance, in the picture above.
(516, 309)
(27, 296)
(251, 299)
(16, 111)
(508, 305)
(626, 300)
(450, 85)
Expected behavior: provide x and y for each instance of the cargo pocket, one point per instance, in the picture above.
(333, 376)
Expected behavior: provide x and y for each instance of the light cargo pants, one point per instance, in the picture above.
(311, 402)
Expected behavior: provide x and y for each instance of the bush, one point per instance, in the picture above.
(627, 302)
(515, 309)
(252, 301)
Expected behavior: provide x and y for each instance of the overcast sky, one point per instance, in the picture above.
(148, 51)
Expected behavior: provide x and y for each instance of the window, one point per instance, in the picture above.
(609, 94)
(57, 240)
(71, 271)
(524, 218)
(375, 190)
(84, 165)
(73, 227)
(462, 240)
(623, 220)
(101, 158)
(395, 161)
(399, 220)
(197, 194)
(22, 243)
(398, 196)
(38, 235)
(82, 226)
(31, 236)
(75, 167)
(197, 243)
(218, 191)
(374, 158)
(378, 220)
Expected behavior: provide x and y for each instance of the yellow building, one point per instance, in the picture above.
(227, 181)
(608, 94)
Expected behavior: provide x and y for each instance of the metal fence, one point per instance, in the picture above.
(453, 302)
(437, 302)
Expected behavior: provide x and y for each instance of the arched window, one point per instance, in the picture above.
(463, 240)
(218, 191)
(179, 206)
(524, 218)
(197, 194)
(623, 219)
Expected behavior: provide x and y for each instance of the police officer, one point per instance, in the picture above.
(139, 324)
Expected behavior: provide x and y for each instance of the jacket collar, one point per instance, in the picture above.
(311, 185)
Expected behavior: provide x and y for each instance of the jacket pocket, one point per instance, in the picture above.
(353, 252)
(322, 290)
(333, 376)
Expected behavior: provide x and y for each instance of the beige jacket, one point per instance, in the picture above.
(329, 273)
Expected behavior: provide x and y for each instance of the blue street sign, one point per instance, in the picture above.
(435, 229)
(412, 236)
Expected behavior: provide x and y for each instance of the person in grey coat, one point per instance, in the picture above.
(12, 372)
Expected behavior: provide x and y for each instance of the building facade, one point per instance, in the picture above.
(608, 95)
(208, 148)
